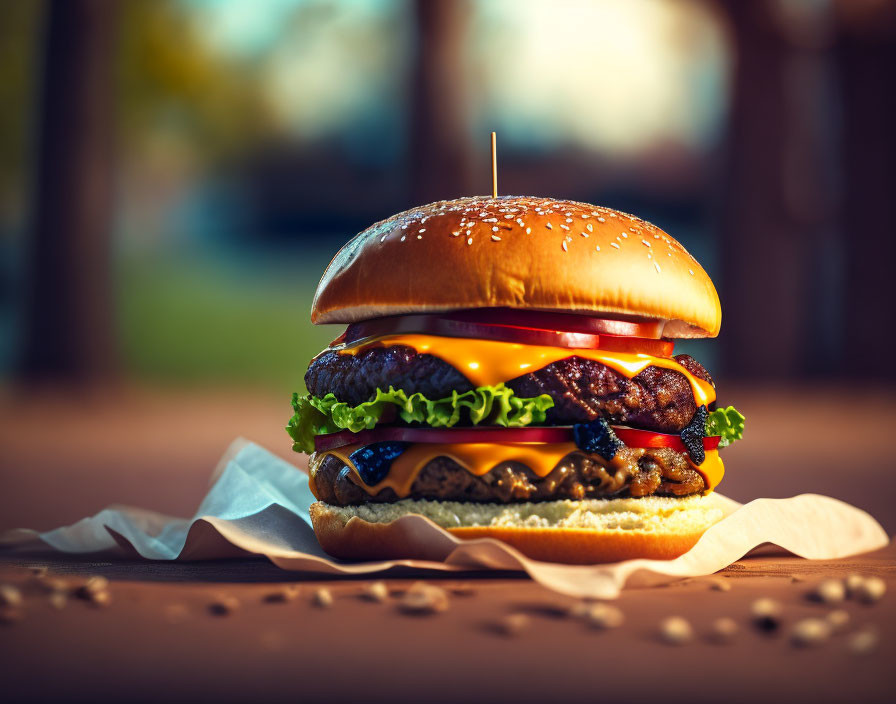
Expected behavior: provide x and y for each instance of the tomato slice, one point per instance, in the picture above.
(589, 333)
(553, 434)
(567, 322)
(436, 325)
(442, 435)
(637, 345)
(646, 438)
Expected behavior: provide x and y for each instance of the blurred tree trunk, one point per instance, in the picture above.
(779, 252)
(440, 139)
(866, 49)
(68, 310)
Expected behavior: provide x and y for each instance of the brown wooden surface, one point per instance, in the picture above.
(65, 457)
(158, 642)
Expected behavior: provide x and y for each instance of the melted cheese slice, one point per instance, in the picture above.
(490, 362)
(480, 458)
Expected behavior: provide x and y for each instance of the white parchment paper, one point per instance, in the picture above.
(258, 504)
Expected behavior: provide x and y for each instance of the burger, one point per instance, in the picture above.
(507, 370)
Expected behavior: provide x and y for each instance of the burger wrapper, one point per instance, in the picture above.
(257, 504)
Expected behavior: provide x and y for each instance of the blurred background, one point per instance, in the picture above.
(176, 174)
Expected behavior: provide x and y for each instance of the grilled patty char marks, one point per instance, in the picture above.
(694, 367)
(354, 378)
(656, 399)
(638, 472)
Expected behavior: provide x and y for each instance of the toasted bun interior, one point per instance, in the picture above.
(574, 532)
(518, 252)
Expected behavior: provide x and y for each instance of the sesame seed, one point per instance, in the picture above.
(668, 254)
(323, 598)
(658, 270)
(565, 227)
(528, 230)
(645, 243)
(508, 217)
(468, 232)
(656, 237)
(810, 632)
(404, 227)
(549, 226)
(589, 227)
(568, 219)
(603, 616)
(676, 631)
(456, 233)
(490, 220)
(383, 238)
(419, 237)
(724, 630)
(613, 244)
(601, 219)
(585, 216)
(224, 605)
(403, 237)
(649, 256)
(691, 272)
(595, 213)
(494, 229)
(625, 235)
(584, 234)
(469, 240)
(863, 642)
(565, 246)
(597, 247)
(853, 583)
(495, 238)
(10, 596)
(871, 590)
(422, 229)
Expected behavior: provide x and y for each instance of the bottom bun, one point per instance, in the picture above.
(573, 532)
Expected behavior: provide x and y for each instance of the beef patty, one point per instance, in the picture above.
(657, 399)
(635, 472)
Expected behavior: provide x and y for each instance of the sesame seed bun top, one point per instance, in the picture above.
(518, 252)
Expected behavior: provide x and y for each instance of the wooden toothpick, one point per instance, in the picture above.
(494, 167)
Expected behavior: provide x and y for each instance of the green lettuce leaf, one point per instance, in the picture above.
(494, 405)
(728, 423)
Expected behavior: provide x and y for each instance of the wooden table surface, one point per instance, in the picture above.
(158, 641)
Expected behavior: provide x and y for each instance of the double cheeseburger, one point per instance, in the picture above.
(508, 371)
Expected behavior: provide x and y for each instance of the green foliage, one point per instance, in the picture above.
(174, 87)
(210, 323)
(20, 32)
(728, 423)
(494, 405)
